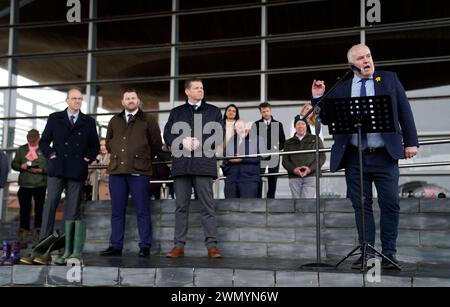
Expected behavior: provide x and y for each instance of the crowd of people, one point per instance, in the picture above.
(58, 161)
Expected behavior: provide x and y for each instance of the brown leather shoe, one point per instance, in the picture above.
(175, 252)
(213, 252)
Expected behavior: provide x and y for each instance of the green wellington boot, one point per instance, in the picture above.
(79, 239)
(70, 231)
(41, 248)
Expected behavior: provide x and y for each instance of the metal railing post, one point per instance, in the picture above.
(95, 184)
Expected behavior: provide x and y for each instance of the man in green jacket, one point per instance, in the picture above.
(32, 165)
(302, 167)
(133, 139)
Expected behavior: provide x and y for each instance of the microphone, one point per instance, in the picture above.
(355, 68)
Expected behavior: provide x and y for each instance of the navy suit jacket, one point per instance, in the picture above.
(248, 170)
(405, 135)
(70, 144)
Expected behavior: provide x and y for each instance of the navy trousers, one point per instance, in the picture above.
(379, 168)
(241, 189)
(120, 187)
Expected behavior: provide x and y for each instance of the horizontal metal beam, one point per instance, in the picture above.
(216, 9)
(245, 41)
(231, 74)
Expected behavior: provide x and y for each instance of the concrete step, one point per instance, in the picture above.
(281, 228)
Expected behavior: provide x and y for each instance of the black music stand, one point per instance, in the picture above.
(369, 114)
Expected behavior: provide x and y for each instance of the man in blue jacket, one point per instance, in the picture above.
(70, 143)
(243, 174)
(381, 151)
(193, 132)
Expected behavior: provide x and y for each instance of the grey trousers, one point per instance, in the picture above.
(303, 187)
(55, 187)
(183, 190)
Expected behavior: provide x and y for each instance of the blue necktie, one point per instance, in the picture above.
(363, 93)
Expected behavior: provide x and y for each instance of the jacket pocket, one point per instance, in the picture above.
(113, 163)
(54, 167)
(142, 163)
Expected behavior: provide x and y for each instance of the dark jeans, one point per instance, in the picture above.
(379, 168)
(26, 196)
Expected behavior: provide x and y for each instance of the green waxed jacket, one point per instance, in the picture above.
(26, 178)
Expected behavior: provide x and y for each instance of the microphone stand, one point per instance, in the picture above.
(316, 109)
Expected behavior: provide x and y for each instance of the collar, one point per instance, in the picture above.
(196, 104)
(268, 120)
(132, 113)
(72, 114)
(356, 79)
(300, 137)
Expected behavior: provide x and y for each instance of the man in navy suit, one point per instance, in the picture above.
(381, 151)
(70, 143)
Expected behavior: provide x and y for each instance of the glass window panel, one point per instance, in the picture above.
(403, 10)
(152, 96)
(310, 52)
(422, 75)
(3, 72)
(51, 70)
(24, 106)
(198, 4)
(4, 16)
(297, 86)
(134, 32)
(230, 89)
(107, 8)
(150, 93)
(44, 100)
(221, 25)
(409, 44)
(220, 59)
(3, 94)
(4, 41)
(314, 15)
(133, 65)
(53, 39)
(41, 101)
(49, 10)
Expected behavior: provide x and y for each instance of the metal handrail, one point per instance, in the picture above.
(324, 172)
(278, 153)
(283, 153)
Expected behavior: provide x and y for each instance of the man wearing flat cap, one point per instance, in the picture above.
(302, 167)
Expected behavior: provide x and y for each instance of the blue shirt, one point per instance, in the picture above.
(373, 139)
(75, 114)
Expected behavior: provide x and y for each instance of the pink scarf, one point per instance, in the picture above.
(32, 154)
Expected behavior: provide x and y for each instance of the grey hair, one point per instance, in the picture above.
(350, 51)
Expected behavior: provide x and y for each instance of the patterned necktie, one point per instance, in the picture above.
(130, 116)
(72, 120)
(363, 93)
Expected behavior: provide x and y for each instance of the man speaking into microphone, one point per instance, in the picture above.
(381, 151)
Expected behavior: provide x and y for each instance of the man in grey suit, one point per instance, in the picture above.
(194, 163)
